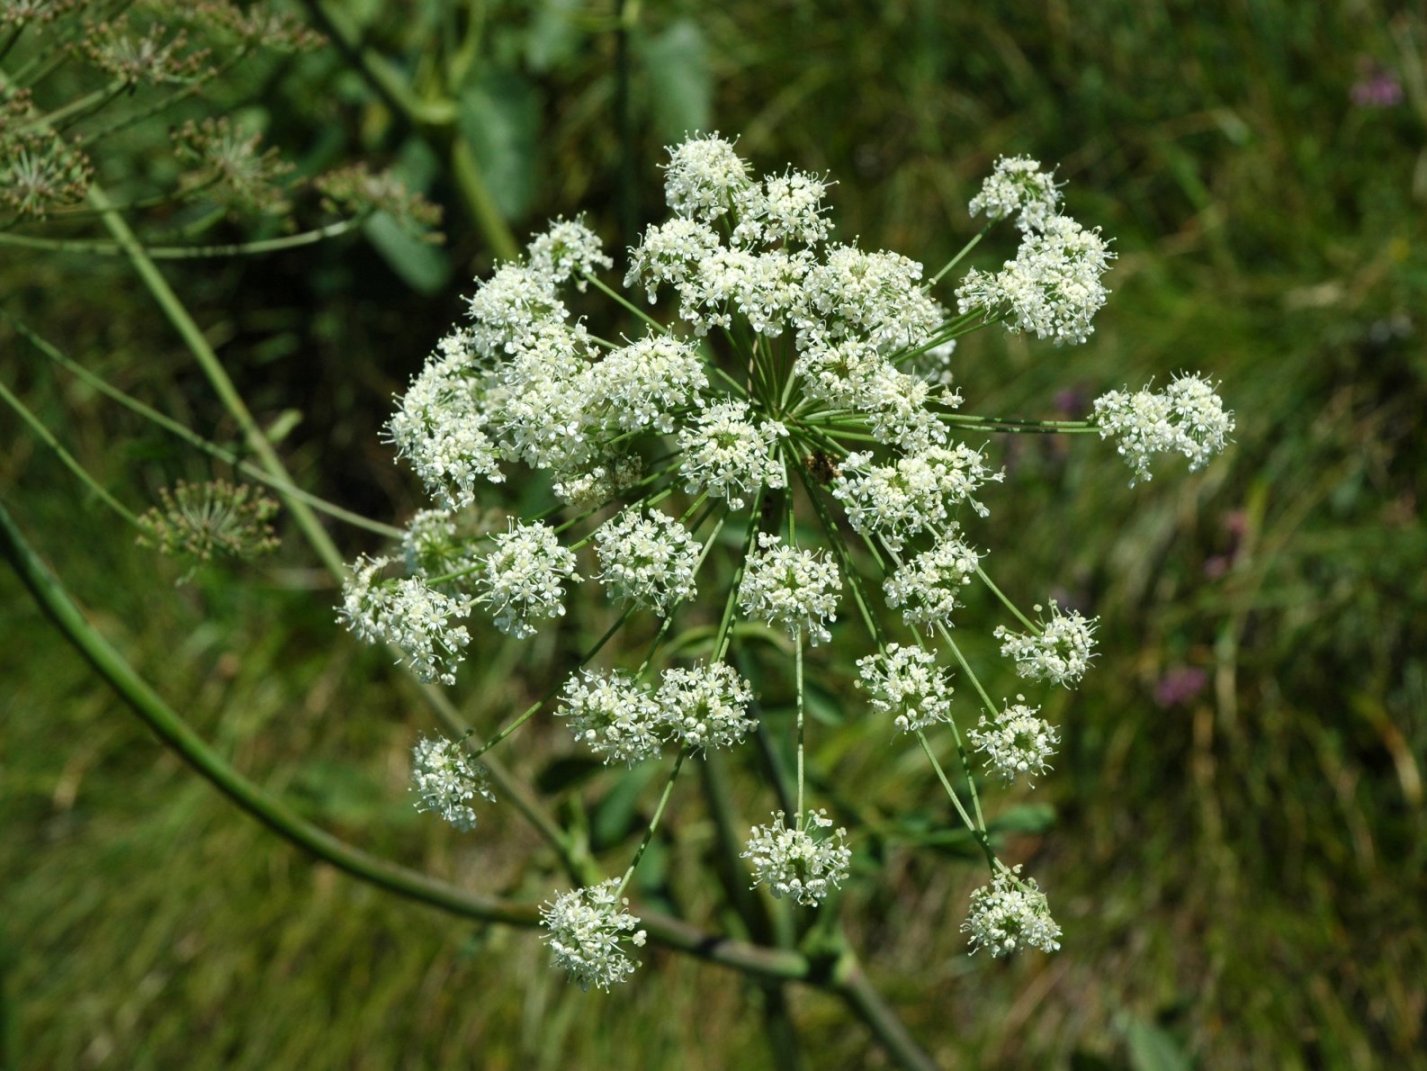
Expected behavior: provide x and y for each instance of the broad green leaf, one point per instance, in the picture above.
(680, 78)
(421, 265)
(499, 116)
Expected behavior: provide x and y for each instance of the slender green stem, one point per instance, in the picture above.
(180, 252)
(628, 305)
(550, 693)
(798, 675)
(43, 434)
(1022, 618)
(213, 368)
(977, 827)
(954, 261)
(653, 822)
(854, 578)
(181, 431)
(164, 103)
(726, 620)
(79, 106)
(1016, 425)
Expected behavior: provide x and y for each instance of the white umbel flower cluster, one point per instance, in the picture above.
(622, 719)
(1186, 418)
(1017, 742)
(1051, 287)
(586, 929)
(614, 714)
(786, 385)
(523, 579)
(1060, 652)
(791, 588)
(898, 501)
(926, 587)
(729, 454)
(803, 863)
(445, 780)
(411, 616)
(1018, 187)
(647, 559)
(1009, 914)
(905, 683)
(705, 707)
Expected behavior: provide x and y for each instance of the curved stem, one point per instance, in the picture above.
(51, 597)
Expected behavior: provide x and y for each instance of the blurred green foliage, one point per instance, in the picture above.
(1239, 869)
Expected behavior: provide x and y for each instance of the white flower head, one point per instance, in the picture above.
(522, 579)
(926, 586)
(803, 863)
(441, 429)
(1017, 742)
(446, 779)
(705, 707)
(568, 250)
(874, 296)
(410, 615)
(613, 714)
(597, 482)
(586, 930)
(1059, 652)
(785, 208)
(905, 683)
(1051, 287)
(510, 306)
(791, 588)
(644, 384)
(704, 177)
(647, 559)
(1009, 914)
(540, 402)
(730, 454)
(911, 494)
(1187, 417)
(1017, 186)
(670, 252)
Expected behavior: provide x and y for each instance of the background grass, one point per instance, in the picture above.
(1240, 874)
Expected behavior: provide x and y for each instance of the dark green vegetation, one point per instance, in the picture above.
(1240, 873)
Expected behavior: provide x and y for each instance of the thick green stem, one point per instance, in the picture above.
(51, 597)
(852, 984)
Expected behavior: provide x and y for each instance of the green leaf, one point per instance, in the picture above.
(421, 265)
(554, 37)
(1152, 1049)
(613, 817)
(499, 116)
(680, 79)
(1025, 818)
